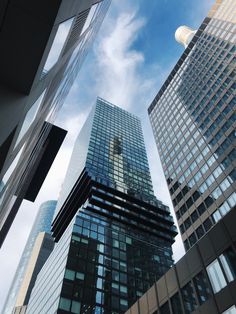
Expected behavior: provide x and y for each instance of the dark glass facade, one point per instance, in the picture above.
(118, 241)
(42, 223)
(193, 120)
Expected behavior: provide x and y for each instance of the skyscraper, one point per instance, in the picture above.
(43, 247)
(114, 237)
(42, 223)
(193, 120)
(51, 46)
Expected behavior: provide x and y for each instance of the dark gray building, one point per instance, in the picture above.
(42, 223)
(193, 119)
(114, 237)
(51, 40)
(203, 281)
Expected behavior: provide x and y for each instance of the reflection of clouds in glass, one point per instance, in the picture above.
(58, 43)
(30, 116)
(1, 186)
(13, 165)
(89, 17)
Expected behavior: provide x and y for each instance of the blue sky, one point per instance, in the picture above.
(132, 56)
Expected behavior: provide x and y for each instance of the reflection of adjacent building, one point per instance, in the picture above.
(113, 236)
(193, 120)
(117, 161)
(42, 223)
(51, 45)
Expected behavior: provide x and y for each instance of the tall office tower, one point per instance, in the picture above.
(193, 120)
(43, 247)
(51, 44)
(114, 237)
(42, 223)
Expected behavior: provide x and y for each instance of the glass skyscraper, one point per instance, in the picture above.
(42, 223)
(114, 237)
(193, 120)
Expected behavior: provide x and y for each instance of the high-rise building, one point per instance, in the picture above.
(203, 281)
(193, 119)
(51, 43)
(43, 247)
(42, 223)
(114, 237)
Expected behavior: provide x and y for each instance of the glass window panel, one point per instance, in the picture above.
(217, 215)
(80, 276)
(89, 17)
(128, 240)
(216, 276)
(58, 43)
(123, 302)
(228, 260)
(175, 304)
(65, 304)
(115, 285)
(69, 274)
(202, 287)
(231, 310)
(12, 166)
(189, 299)
(165, 309)
(123, 289)
(75, 307)
(30, 116)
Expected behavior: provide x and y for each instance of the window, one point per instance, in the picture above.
(189, 299)
(69, 274)
(216, 276)
(207, 224)
(12, 166)
(164, 309)
(231, 310)
(65, 304)
(30, 116)
(175, 304)
(89, 18)
(128, 240)
(200, 232)
(228, 261)
(202, 287)
(192, 239)
(58, 43)
(75, 307)
(123, 302)
(80, 276)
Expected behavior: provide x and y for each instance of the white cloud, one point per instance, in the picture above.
(118, 63)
